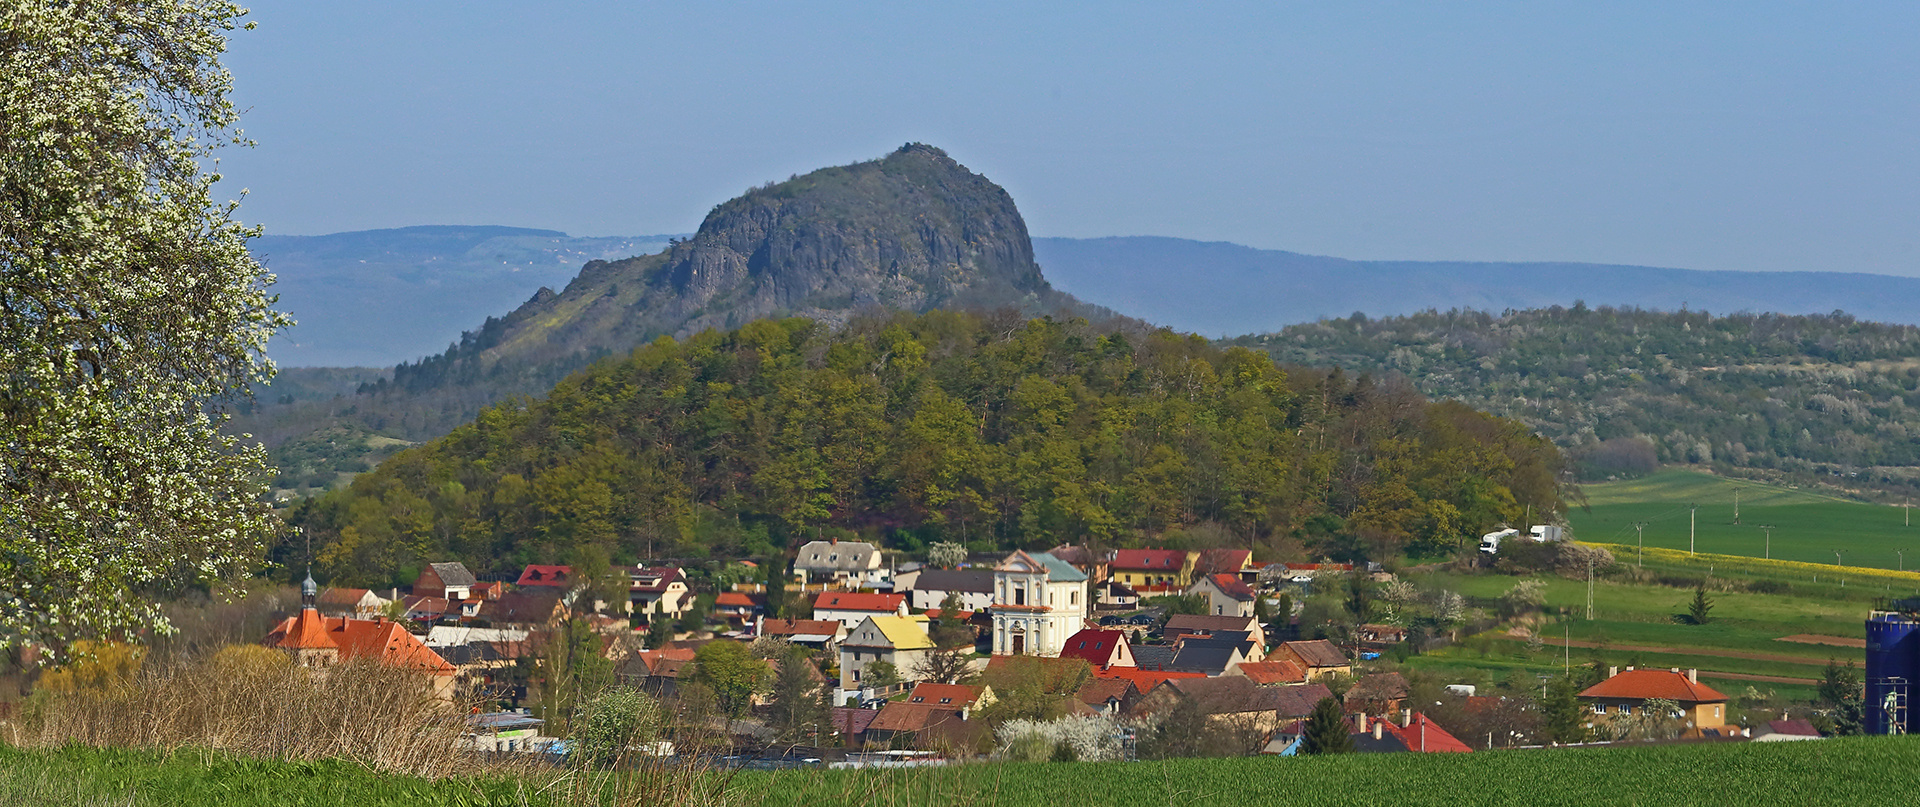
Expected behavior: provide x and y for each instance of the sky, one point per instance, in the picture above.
(1753, 135)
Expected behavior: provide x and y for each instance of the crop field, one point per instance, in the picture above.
(1807, 527)
(1861, 770)
(1640, 624)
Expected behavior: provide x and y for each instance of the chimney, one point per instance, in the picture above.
(903, 607)
(1629, 669)
(1406, 718)
(1613, 671)
(1359, 721)
(1379, 728)
(1693, 676)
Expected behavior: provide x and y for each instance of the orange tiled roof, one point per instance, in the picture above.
(733, 599)
(1144, 680)
(357, 638)
(944, 696)
(1273, 672)
(1643, 684)
(800, 627)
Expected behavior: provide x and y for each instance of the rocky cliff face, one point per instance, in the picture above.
(914, 230)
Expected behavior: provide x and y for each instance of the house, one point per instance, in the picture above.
(1272, 672)
(358, 603)
(1101, 648)
(1115, 594)
(1153, 656)
(1377, 693)
(849, 564)
(1382, 634)
(1626, 692)
(1111, 696)
(1211, 657)
(550, 576)
(539, 608)
(898, 640)
(917, 724)
(1210, 624)
(1092, 564)
(1235, 701)
(1317, 656)
(319, 642)
(449, 581)
(738, 608)
(1235, 562)
(851, 724)
(487, 590)
(930, 588)
(1774, 731)
(1038, 601)
(1152, 569)
(1226, 595)
(657, 591)
(824, 635)
(848, 607)
(956, 696)
(1142, 680)
(427, 610)
(656, 671)
(1412, 732)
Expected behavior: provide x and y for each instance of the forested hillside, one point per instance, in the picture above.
(996, 431)
(914, 230)
(1625, 388)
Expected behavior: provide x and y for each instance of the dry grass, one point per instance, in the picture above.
(381, 718)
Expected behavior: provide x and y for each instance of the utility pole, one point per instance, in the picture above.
(1640, 539)
(1589, 588)
(1909, 509)
(1769, 546)
(1566, 650)
(1836, 558)
(1736, 504)
(1691, 510)
(1903, 558)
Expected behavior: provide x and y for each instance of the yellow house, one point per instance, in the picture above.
(1142, 569)
(1626, 693)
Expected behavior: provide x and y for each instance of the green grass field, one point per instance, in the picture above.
(1743, 636)
(1808, 527)
(1861, 770)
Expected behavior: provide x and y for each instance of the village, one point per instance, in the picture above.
(906, 661)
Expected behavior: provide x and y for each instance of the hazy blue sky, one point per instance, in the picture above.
(1717, 136)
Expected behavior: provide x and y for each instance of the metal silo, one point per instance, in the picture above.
(1893, 664)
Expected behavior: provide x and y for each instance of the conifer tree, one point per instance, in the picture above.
(1326, 731)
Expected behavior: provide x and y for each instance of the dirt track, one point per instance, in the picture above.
(1683, 651)
(1833, 641)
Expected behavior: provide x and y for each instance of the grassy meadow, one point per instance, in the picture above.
(1808, 527)
(1863, 770)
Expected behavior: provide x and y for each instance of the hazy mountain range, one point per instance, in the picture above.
(376, 298)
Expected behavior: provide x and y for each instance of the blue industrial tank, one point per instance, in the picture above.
(1893, 660)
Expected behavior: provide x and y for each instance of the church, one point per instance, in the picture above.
(1038, 601)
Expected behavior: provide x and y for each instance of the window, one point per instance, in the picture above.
(1599, 708)
(1626, 708)
(1716, 711)
(1073, 597)
(1019, 596)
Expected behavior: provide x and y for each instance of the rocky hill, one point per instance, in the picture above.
(913, 231)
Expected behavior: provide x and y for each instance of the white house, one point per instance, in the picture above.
(897, 640)
(657, 590)
(850, 564)
(849, 607)
(931, 587)
(1038, 602)
(1226, 595)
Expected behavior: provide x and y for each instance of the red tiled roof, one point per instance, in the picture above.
(654, 579)
(1150, 560)
(858, 601)
(734, 599)
(357, 638)
(536, 575)
(934, 613)
(1232, 587)
(1215, 561)
(1267, 673)
(799, 627)
(341, 596)
(1144, 680)
(1643, 684)
(953, 696)
(1422, 736)
(1096, 647)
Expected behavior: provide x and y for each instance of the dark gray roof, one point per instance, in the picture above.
(1237, 694)
(1206, 622)
(1211, 658)
(973, 581)
(454, 574)
(1152, 656)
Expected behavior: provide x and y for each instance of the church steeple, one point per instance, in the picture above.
(308, 590)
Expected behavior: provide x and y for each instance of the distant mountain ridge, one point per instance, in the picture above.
(1222, 289)
(381, 297)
